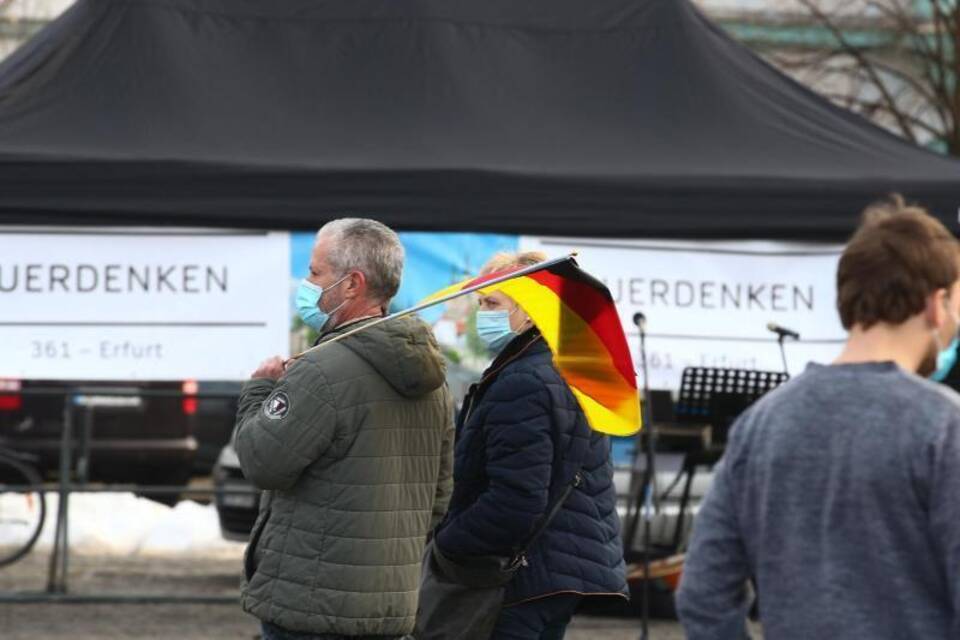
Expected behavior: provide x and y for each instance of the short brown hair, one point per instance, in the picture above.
(501, 261)
(894, 261)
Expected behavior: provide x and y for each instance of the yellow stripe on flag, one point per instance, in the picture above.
(610, 422)
(609, 402)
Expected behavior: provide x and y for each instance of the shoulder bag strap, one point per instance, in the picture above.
(520, 558)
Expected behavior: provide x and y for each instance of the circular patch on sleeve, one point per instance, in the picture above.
(276, 406)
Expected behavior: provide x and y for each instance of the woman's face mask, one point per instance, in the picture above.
(493, 329)
(308, 304)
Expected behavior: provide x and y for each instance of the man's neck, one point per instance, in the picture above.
(903, 344)
(356, 312)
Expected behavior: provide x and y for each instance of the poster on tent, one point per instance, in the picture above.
(708, 304)
(128, 304)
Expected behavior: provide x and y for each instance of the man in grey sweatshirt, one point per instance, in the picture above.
(839, 493)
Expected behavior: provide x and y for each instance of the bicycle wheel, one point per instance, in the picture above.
(22, 512)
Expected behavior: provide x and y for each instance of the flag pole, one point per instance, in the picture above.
(431, 303)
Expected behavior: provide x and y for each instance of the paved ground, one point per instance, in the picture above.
(183, 575)
(215, 622)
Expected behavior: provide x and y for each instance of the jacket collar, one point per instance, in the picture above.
(343, 328)
(528, 342)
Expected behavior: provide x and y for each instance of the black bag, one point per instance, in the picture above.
(461, 597)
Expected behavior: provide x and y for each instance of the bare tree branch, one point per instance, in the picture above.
(858, 56)
(909, 80)
(900, 74)
(927, 91)
(872, 106)
(804, 61)
(817, 67)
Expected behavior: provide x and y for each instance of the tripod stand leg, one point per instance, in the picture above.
(678, 530)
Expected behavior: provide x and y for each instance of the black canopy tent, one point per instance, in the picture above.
(571, 117)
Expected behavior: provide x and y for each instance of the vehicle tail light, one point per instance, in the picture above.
(10, 397)
(189, 402)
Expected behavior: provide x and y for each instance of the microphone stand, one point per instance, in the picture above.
(649, 475)
(783, 353)
(782, 335)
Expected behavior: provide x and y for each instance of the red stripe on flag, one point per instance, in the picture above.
(597, 309)
(488, 277)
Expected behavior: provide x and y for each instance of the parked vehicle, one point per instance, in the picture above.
(237, 500)
(150, 433)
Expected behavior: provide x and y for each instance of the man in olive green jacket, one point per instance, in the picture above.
(352, 443)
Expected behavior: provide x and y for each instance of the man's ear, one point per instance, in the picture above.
(356, 285)
(936, 310)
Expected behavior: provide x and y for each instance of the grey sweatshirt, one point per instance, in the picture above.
(839, 493)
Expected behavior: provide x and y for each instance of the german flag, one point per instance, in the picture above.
(578, 319)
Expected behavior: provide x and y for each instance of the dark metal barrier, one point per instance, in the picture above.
(57, 587)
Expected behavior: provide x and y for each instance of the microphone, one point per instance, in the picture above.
(640, 320)
(783, 332)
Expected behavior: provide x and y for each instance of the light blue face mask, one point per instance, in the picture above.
(946, 358)
(308, 304)
(945, 361)
(493, 329)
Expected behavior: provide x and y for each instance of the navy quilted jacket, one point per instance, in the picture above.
(520, 437)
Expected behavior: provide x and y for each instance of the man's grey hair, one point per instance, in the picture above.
(367, 246)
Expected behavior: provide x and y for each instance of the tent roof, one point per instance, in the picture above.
(571, 117)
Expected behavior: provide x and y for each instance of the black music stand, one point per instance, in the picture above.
(715, 396)
(718, 396)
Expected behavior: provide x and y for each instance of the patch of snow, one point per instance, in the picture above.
(129, 525)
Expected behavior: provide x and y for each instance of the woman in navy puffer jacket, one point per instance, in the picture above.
(521, 437)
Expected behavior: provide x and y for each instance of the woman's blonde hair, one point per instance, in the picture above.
(504, 260)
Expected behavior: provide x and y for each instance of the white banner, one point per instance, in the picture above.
(708, 303)
(141, 305)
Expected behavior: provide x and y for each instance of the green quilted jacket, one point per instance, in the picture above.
(354, 449)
